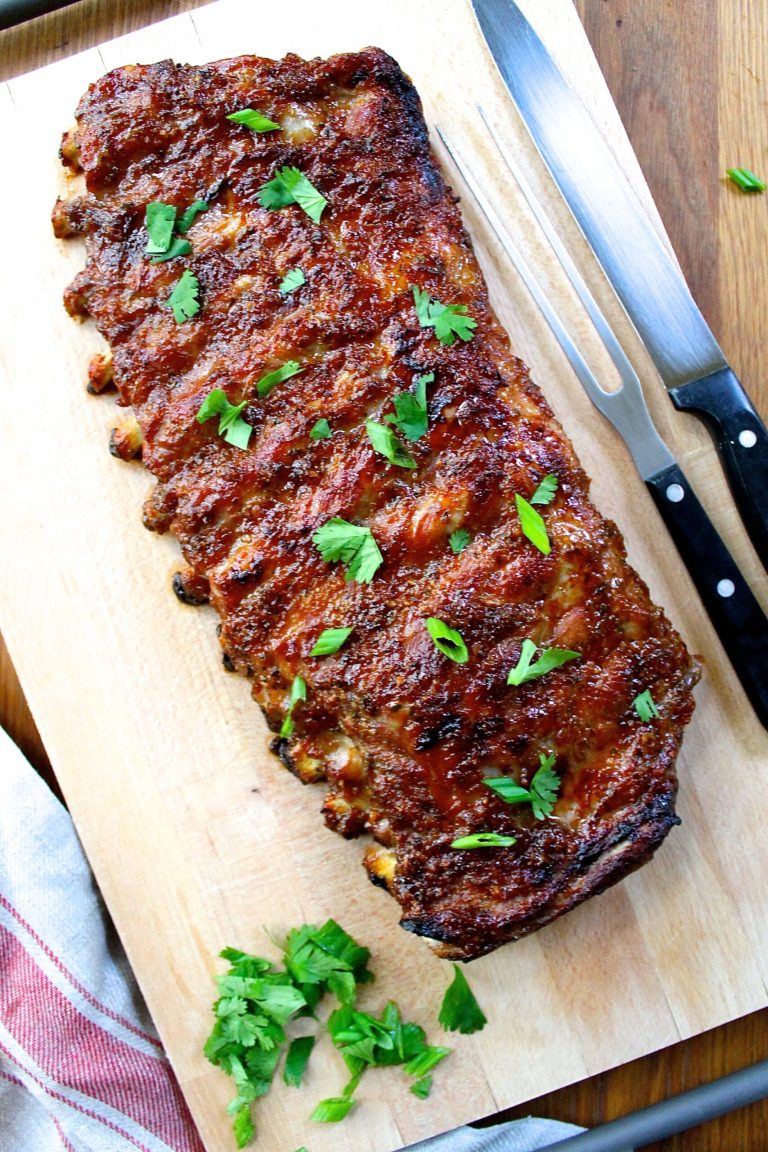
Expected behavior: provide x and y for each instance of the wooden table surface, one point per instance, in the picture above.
(691, 84)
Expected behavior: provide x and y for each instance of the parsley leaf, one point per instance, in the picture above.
(532, 525)
(291, 186)
(448, 320)
(284, 372)
(253, 120)
(183, 300)
(321, 430)
(189, 215)
(542, 793)
(298, 692)
(745, 179)
(460, 1011)
(549, 659)
(386, 444)
(484, 840)
(291, 281)
(545, 493)
(411, 417)
(458, 540)
(447, 640)
(331, 640)
(645, 706)
(234, 429)
(159, 221)
(353, 545)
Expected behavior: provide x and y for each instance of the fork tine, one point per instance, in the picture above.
(625, 408)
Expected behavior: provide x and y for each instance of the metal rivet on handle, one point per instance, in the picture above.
(675, 493)
(725, 588)
(747, 438)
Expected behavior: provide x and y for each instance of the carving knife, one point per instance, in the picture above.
(644, 275)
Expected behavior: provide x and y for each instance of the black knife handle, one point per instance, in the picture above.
(742, 442)
(737, 617)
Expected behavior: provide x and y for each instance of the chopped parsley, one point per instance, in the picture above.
(353, 545)
(298, 692)
(532, 525)
(284, 372)
(254, 120)
(746, 180)
(411, 417)
(549, 659)
(644, 706)
(460, 1011)
(331, 640)
(458, 540)
(183, 299)
(291, 281)
(545, 493)
(447, 640)
(387, 444)
(321, 430)
(448, 320)
(542, 793)
(484, 840)
(232, 427)
(291, 186)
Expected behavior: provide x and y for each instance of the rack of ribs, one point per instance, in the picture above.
(437, 447)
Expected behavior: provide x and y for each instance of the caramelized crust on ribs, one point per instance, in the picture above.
(402, 735)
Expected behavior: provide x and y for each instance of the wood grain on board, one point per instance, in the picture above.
(694, 111)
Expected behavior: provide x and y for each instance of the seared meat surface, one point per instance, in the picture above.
(403, 735)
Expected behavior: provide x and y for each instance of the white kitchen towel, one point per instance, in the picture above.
(81, 1066)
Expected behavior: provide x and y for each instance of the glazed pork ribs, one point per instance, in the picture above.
(369, 488)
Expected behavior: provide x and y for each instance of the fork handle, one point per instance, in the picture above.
(738, 619)
(742, 444)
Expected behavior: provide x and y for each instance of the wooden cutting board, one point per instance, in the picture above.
(196, 836)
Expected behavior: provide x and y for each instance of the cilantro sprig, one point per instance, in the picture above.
(232, 427)
(387, 444)
(411, 417)
(166, 233)
(257, 1002)
(321, 430)
(265, 385)
(460, 1011)
(448, 320)
(549, 659)
(183, 300)
(542, 794)
(291, 186)
(351, 544)
(458, 540)
(291, 281)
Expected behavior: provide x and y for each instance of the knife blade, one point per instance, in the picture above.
(644, 275)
